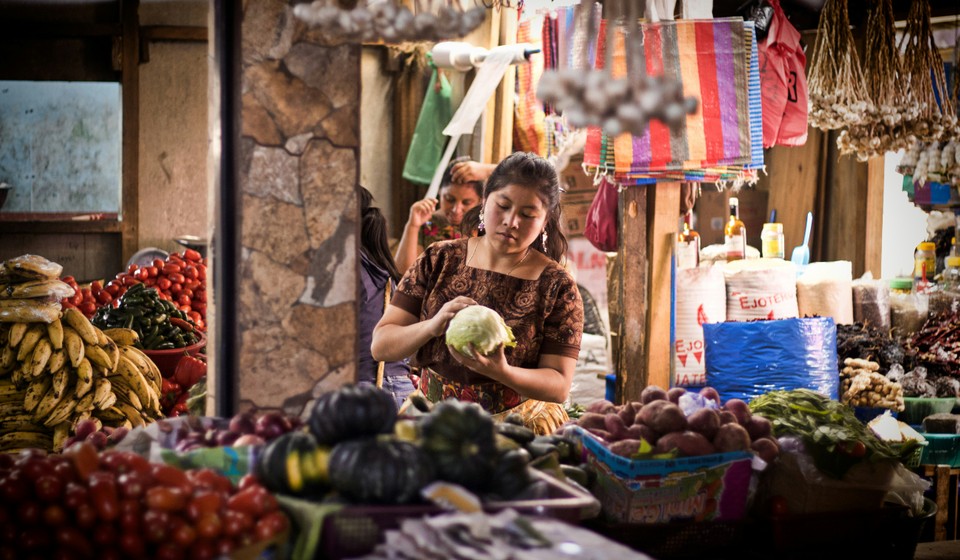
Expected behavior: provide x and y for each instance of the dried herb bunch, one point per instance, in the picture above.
(389, 20)
(894, 105)
(837, 92)
(938, 344)
(921, 61)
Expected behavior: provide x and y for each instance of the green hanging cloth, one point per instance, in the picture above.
(426, 147)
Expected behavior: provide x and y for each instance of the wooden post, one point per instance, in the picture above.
(130, 86)
(632, 328)
(663, 212)
(648, 228)
(502, 131)
(874, 217)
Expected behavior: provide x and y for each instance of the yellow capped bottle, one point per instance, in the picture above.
(688, 245)
(735, 233)
(924, 266)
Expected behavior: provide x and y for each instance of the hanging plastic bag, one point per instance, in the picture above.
(783, 83)
(601, 224)
(426, 146)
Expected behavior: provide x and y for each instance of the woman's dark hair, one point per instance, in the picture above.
(447, 178)
(470, 224)
(373, 235)
(527, 169)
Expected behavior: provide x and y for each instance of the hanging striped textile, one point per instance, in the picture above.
(528, 119)
(716, 61)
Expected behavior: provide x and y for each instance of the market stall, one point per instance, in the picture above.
(764, 402)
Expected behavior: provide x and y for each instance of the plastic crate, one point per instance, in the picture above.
(357, 529)
(941, 449)
(915, 409)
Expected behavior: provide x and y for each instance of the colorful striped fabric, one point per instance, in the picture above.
(716, 61)
(528, 121)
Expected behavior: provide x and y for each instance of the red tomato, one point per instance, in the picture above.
(189, 370)
(235, 523)
(163, 284)
(166, 498)
(104, 297)
(74, 539)
(88, 308)
(183, 299)
(175, 288)
(85, 516)
(204, 502)
(210, 479)
(48, 488)
(103, 495)
(132, 484)
(184, 534)
(130, 515)
(192, 255)
(156, 525)
(158, 264)
(28, 513)
(191, 272)
(271, 525)
(130, 281)
(167, 475)
(132, 544)
(132, 268)
(254, 501)
(55, 515)
(187, 293)
(112, 288)
(209, 526)
(74, 495)
(176, 277)
(248, 480)
(84, 457)
(151, 282)
(169, 269)
(96, 286)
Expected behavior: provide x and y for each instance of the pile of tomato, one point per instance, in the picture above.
(85, 504)
(181, 279)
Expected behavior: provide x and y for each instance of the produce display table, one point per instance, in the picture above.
(945, 480)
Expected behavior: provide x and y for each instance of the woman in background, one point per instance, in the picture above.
(378, 277)
(461, 189)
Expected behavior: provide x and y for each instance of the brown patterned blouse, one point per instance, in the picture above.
(546, 314)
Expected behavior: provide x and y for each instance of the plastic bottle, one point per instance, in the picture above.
(688, 246)
(735, 233)
(954, 249)
(951, 274)
(924, 266)
(771, 241)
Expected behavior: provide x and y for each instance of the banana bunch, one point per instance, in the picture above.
(68, 371)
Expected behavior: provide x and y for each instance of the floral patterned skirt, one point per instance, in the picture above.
(497, 399)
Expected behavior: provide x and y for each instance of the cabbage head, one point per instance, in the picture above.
(481, 326)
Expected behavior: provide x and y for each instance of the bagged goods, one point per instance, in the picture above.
(825, 289)
(871, 303)
(701, 298)
(761, 289)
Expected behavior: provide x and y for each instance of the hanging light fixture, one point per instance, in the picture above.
(390, 21)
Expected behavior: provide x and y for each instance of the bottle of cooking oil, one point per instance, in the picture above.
(735, 233)
(924, 266)
(688, 245)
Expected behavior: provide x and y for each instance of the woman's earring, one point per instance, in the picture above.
(544, 238)
(480, 226)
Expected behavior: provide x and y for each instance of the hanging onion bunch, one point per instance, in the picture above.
(371, 20)
(894, 105)
(836, 92)
(921, 61)
(616, 104)
(595, 98)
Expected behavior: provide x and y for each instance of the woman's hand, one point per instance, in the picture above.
(491, 366)
(420, 212)
(438, 323)
(470, 171)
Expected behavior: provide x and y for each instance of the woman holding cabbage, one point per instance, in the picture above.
(513, 268)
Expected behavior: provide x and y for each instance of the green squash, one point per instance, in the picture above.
(352, 412)
(294, 464)
(511, 475)
(459, 436)
(373, 471)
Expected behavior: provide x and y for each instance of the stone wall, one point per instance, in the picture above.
(298, 167)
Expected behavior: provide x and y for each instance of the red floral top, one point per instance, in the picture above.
(546, 314)
(437, 229)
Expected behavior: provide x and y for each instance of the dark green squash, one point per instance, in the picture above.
(352, 412)
(510, 476)
(459, 436)
(294, 464)
(373, 471)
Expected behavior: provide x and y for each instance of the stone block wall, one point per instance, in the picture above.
(298, 167)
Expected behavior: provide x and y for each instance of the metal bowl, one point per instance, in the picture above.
(198, 244)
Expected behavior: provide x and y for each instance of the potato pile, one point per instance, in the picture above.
(861, 384)
(659, 420)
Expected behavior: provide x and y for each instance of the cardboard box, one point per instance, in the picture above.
(706, 488)
(578, 194)
(713, 209)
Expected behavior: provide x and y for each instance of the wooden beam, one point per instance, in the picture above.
(663, 212)
(633, 296)
(130, 86)
(503, 121)
(408, 90)
(489, 118)
(873, 244)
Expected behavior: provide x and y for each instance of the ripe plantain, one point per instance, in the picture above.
(123, 337)
(35, 392)
(103, 393)
(41, 356)
(57, 360)
(8, 357)
(29, 341)
(74, 346)
(85, 404)
(98, 356)
(81, 324)
(84, 378)
(62, 412)
(17, 330)
(47, 403)
(26, 440)
(132, 376)
(132, 414)
(55, 334)
(60, 434)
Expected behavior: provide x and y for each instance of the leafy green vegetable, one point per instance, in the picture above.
(829, 429)
(480, 326)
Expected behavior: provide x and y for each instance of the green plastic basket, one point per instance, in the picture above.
(941, 449)
(915, 409)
